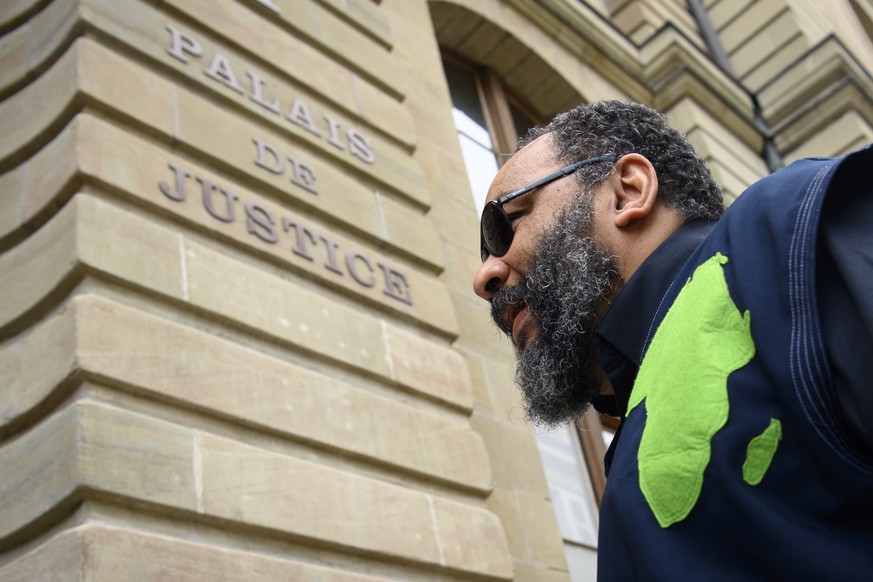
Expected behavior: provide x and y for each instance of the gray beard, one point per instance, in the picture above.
(571, 281)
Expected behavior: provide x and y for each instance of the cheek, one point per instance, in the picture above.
(603, 216)
(600, 233)
(531, 229)
(525, 244)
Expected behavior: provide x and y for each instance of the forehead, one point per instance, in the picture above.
(529, 164)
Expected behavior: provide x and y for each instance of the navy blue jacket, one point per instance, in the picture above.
(797, 294)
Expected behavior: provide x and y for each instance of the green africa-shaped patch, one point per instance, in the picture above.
(683, 378)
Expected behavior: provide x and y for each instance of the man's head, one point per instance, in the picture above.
(614, 128)
(576, 239)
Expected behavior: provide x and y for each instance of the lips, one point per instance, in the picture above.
(510, 312)
(514, 316)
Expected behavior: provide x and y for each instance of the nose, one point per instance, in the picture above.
(490, 277)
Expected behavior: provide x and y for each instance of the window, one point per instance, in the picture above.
(480, 154)
(488, 122)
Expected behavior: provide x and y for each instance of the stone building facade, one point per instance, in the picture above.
(237, 335)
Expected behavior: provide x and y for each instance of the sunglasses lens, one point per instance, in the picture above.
(496, 231)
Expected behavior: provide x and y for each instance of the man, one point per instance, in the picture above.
(737, 350)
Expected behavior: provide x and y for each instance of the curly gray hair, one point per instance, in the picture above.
(685, 183)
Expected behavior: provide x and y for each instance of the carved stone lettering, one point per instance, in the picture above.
(333, 137)
(268, 158)
(230, 198)
(396, 285)
(351, 257)
(330, 264)
(297, 112)
(299, 115)
(359, 146)
(178, 194)
(303, 175)
(306, 243)
(219, 70)
(301, 233)
(182, 44)
(260, 222)
(258, 94)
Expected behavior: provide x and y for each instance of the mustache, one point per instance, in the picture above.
(509, 298)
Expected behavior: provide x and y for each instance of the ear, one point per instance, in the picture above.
(636, 189)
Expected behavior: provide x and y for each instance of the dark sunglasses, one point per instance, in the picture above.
(495, 228)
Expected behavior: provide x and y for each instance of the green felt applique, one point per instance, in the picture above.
(683, 379)
(760, 453)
